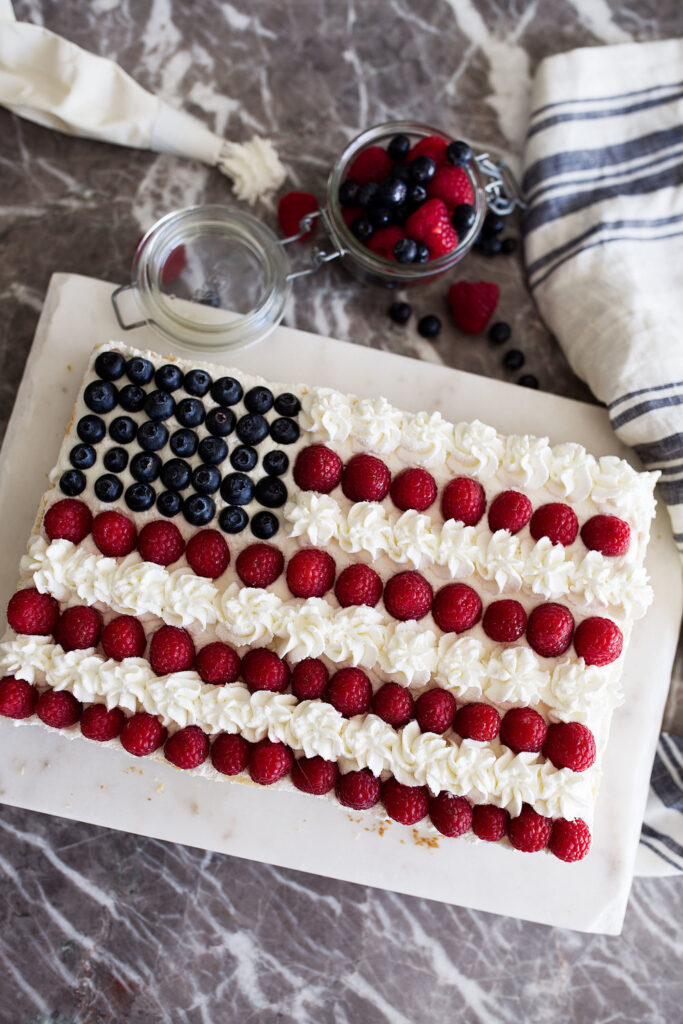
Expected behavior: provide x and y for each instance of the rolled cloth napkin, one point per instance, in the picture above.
(603, 230)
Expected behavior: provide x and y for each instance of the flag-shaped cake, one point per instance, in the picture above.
(308, 588)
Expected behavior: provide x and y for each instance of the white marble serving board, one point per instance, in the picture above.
(45, 772)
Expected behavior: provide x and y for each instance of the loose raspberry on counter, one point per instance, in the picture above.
(570, 745)
(435, 710)
(477, 722)
(372, 164)
(32, 613)
(218, 664)
(18, 698)
(317, 468)
(489, 822)
(142, 734)
(529, 831)
(413, 488)
(230, 753)
(124, 637)
(187, 748)
(384, 241)
(269, 761)
(58, 709)
(114, 534)
(171, 650)
(78, 628)
(504, 621)
(456, 608)
(314, 775)
(556, 521)
(98, 723)
(431, 225)
(472, 304)
(463, 499)
(450, 815)
(161, 542)
(598, 641)
(452, 186)
(310, 573)
(393, 704)
(259, 565)
(405, 804)
(358, 790)
(509, 510)
(365, 478)
(549, 629)
(432, 146)
(309, 679)
(350, 692)
(408, 596)
(208, 554)
(358, 584)
(291, 210)
(570, 840)
(523, 729)
(263, 670)
(68, 520)
(609, 535)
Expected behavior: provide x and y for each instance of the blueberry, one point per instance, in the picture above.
(168, 503)
(284, 431)
(271, 492)
(82, 456)
(405, 250)
(232, 519)
(499, 332)
(199, 509)
(209, 298)
(116, 460)
(417, 194)
(459, 153)
(464, 216)
(400, 312)
(429, 326)
(287, 404)
(258, 399)
(243, 458)
(123, 429)
(197, 382)
(226, 391)
(399, 147)
(169, 377)
(362, 228)
(252, 429)
(175, 474)
(206, 479)
(348, 192)
(401, 172)
(491, 246)
(422, 169)
(392, 192)
(264, 525)
(152, 436)
(159, 405)
(190, 412)
(527, 380)
(513, 359)
(100, 396)
(366, 193)
(139, 370)
(508, 246)
(221, 421)
(276, 463)
(145, 467)
(237, 489)
(212, 450)
(108, 488)
(400, 214)
(132, 398)
(493, 224)
(139, 497)
(91, 429)
(184, 443)
(422, 255)
(379, 217)
(110, 365)
(72, 482)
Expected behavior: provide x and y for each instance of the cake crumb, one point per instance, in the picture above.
(160, 787)
(431, 842)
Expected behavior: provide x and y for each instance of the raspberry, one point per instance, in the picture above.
(598, 641)
(371, 164)
(68, 520)
(18, 698)
(555, 521)
(358, 584)
(160, 542)
(510, 510)
(358, 790)
(489, 822)
(291, 210)
(405, 804)
(450, 815)
(432, 146)
(456, 608)
(97, 723)
(142, 734)
(472, 304)
(504, 621)
(173, 265)
(452, 186)
(171, 650)
(124, 637)
(383, 241)
(230, 754)
(314, 775)
(607, 534)
(58, 709)
(477, 722)
(259, 565)
(570, 840)
(570, 745)
(269, 762)
(431, 224)
(309, 679)
(32, 613)
(523, 729)
(218, 664)
(413, 488)
(408, 596)
(310, 573)
(529, 831)
(549, 629)
(114, 534)
(435, 710)
(393, 704)
(463, 499)
(317, 468)
(187, 748)
(263, 670)
(365, 478)
(78, 628)
(208, 554)
(350, 692)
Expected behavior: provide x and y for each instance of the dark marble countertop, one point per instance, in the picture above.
(100, 926)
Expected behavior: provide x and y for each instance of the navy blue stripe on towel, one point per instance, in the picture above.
(591, 115)
(643, 391)
(605, 99)
(644, 407)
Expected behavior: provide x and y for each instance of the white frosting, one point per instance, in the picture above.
(254, 167)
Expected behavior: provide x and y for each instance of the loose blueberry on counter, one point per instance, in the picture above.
(132, 398)
(508, 246)
(366, 193)
(422, 255)
(284, 430)
(176, 474)
(226, 391)
(232, 519)
(513, 359)
(400, 312)
(116, 460)
(159, 405)
(528, 380)
(276, 463)
(429, 326)
(199, 509)
(108, 488)
(168, 503)
(251, 429)
(197, 382)
(348, 192)
(206, 479)
(221, 421)
(168, 377)
(458, 152)
(100, 396)
(493, 225)
(139, 497)
(405, 250)
(243, 458)
(362, 228)
(184, 443)
(380, 217)
(152, 436)
(491, 246)
(417, 194)
(123, 429)
(499, 332)
(287, 404)
(399, 147)
(72, 483)
(391, 192)
(237, 489)
(258, 399)
(422, 169)
(145, 467)
(91, 429)
(110, 365)
(190, 412)
(82, 456)
(212, 450)
(139, 370)
(264, 525)
(271, 492)
(464, 216)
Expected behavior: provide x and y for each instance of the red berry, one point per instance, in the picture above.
(58, 709)
(607, 534)
(314, 775)
(555, 521)
(32, 613)
(405, 804)
(68, 520)
(269, 761)
(358, 790)
(393, 704)
(173, 265)
(365, 478)
(549, 629)
(472, 304)
(413, 488)
(489, 822)
(230, 754)
(142, 734)
(570, 840)
(570, 745)
(358, 584)
(523, 729)
(463, 499)
(18, 698)
(114, 534)
(504, 621)
(450, 815)
(431, 224)
(309, 679)
(98, 723)
(218, 664)
(263, 670)
(435, 710)
(372, 164)
(529, 831)
(78, 628)
(259, 565)
(452, 186)
(510, 510)
(208, 554)
(598, 641)
(317, 468)
(408, 596)
(171, 650)
(350, 692)
(161, 542)
(432, 146)
(187, 748)
(310, 573)
(124, 637)
(477, 722)
(291, 210)
(456, 608)
(383, 241)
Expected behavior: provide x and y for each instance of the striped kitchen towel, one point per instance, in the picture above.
(603, 230)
